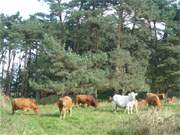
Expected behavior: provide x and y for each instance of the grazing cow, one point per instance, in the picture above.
(122, 100)
(65, 104)
(131, 105)
(86, 99)
(142, 103)
(153, 99)
(25, 104)
(172, 100)
(161, 96)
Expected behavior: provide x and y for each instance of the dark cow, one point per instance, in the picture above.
(86, 99)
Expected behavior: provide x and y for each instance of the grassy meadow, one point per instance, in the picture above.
(90, 121)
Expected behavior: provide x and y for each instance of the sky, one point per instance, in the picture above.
(25, 7)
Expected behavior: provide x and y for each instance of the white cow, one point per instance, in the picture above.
(131, 105)
(122, 100)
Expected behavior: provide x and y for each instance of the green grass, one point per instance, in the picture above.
(84, 121)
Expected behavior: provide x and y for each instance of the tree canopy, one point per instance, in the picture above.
(89, 46)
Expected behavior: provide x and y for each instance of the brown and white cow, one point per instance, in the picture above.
(142, 103)
(65, 105)
(153, 99)
(25, 104)
(86, 99)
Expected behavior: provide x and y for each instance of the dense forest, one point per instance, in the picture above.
(91, 46)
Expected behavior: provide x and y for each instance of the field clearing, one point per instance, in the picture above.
(84, 121)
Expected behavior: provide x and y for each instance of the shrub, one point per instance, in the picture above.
(151, 122)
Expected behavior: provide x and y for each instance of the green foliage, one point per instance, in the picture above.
(82, 47)
(71, 72)
(128, 73)
(149, 123)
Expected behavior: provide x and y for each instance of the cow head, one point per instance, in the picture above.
(94, 103)
(132, 96)
(36, 109)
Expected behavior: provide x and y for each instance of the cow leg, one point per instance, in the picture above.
(86, 105)
(114, 107)
(127, 110)
(136, 109)
(60, 113)
(26, 109)
(61, 116)
(64, 115)
(131, 110)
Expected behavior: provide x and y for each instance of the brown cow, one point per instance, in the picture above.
(86, 99)
(65, 104)
(153, 99)
(25, 104)
(142, 103)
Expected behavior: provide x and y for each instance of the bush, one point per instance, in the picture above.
(149, 123)
(48, 100)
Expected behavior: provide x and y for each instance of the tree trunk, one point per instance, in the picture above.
(94, 4)
(120, 28)
(2, 55)
(155, 34)
(12, 69)
(134, 23)
(60, 13)
(24, 81)
(7, 80)
(81, 5)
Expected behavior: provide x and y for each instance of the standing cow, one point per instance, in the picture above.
(153, 99)
(65, 105)
(86, 99)
(122, 100)
(25, 104)
(131, 105)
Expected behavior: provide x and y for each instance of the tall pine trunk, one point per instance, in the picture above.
(7, 80)
(12, 70)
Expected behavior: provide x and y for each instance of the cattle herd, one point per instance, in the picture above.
(65, 104)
